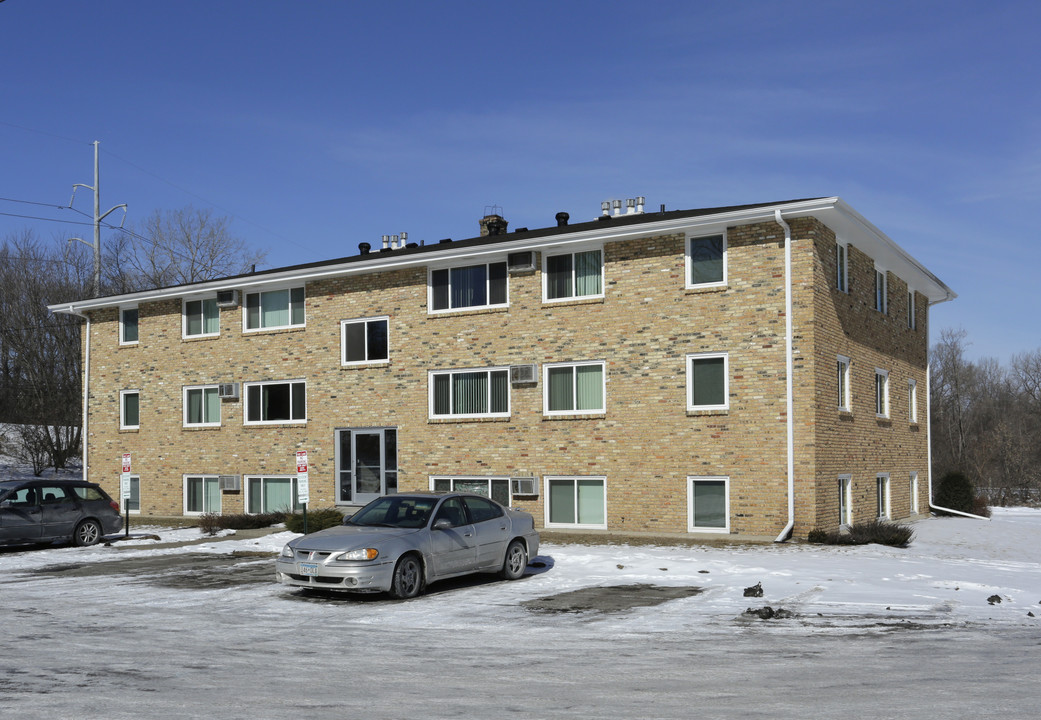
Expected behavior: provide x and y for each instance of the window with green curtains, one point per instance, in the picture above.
(706, 260)
(708, 504)
(575, 388)
(466, 393)
(128, 333)
(275, 309)
(272, 494)
(577, 501)
(202, 406)
(201, 317)
(202, 494)
(574, 275)
(707, 382)
(130, 408)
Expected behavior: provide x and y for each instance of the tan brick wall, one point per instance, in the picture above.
(646, 443)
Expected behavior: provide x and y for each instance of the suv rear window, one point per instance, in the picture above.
(89, 493)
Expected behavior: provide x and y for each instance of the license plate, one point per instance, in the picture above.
(309, 569)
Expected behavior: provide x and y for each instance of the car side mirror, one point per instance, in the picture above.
(443, 524)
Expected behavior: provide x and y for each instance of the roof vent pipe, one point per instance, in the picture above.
(630, 207)
(394, 242)
(364, 248)
(617, 207)
(640, 203)
(562, 218)
(605, 208)
(386, 242)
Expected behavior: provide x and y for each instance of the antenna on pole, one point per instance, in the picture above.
(98, 217)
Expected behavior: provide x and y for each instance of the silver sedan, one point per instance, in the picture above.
(400, 543)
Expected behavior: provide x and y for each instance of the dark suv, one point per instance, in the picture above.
(43, 511)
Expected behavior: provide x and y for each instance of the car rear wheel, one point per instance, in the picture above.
(408, 578)
(515, 562)
(87, 532)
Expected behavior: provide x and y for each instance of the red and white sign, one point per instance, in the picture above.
(301, 461)
(126, 462)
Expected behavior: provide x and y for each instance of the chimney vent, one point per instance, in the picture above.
(493, 225)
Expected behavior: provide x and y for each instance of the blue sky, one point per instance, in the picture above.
(319, 125)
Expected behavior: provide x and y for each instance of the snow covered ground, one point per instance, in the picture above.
(140, 630)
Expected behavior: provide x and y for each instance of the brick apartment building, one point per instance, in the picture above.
(633, 373)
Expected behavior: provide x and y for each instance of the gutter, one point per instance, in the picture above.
(929, 438)
(86, 388)
(789, 364)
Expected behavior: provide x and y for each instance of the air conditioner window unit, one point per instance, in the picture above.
(228, 391)
(521, 261)
(522, 374)
(230, 483)
(523, 486)
(227, 298)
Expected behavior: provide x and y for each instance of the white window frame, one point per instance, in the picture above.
(466, 308)
(184, 317)
(913, 492)
(690, 358)
(122, 409)
(842, 266)
(574, 296)
(884, 499)
(122, 325)
(476, 478)
(184, 493)
(687, 264)
(575, 478)
(912, 401)
(574, 385)
(845, 500)
(881, 393)
(134, 480)
(248, 492)
(343, 341)
(843, 377)
(184, 405)
(691, 480)
(881, 290)
(265, 328)
(245, 403)
(463, 416)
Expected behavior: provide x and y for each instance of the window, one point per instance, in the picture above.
(707, 261)
(845, 499)
(576, 502)
(201, 494)
(881, 393)
(912, 401)
(708, 504)
(842, 267)
(129, 409)
(366, 464)
(496, 488)
(128, 326)
(133, 503)
(470, 393)
(842, 367)
(707, 381)
(882, 483)
(201, 318)
(274, 309)
(201, 406)
(574, 388)
(573, 275)
(364, 341)
(276, 402)
(881, 291)
(913, 491)
(912, 323)
(467, 287)
(271, 494)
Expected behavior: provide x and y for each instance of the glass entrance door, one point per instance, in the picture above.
(367, 464)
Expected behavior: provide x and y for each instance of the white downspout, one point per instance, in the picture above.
(86, 389)
(789, 364)
(929, 436)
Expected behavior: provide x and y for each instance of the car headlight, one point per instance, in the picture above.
(360, 554)
(288, 552)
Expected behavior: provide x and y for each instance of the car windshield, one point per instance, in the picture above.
(392, 511)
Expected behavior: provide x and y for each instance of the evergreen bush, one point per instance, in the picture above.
(318, 519)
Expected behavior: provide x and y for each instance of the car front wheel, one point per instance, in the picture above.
(408, 578)
(87, 532)
(515, 562)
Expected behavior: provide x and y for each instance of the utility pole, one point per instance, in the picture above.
(98, 217)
